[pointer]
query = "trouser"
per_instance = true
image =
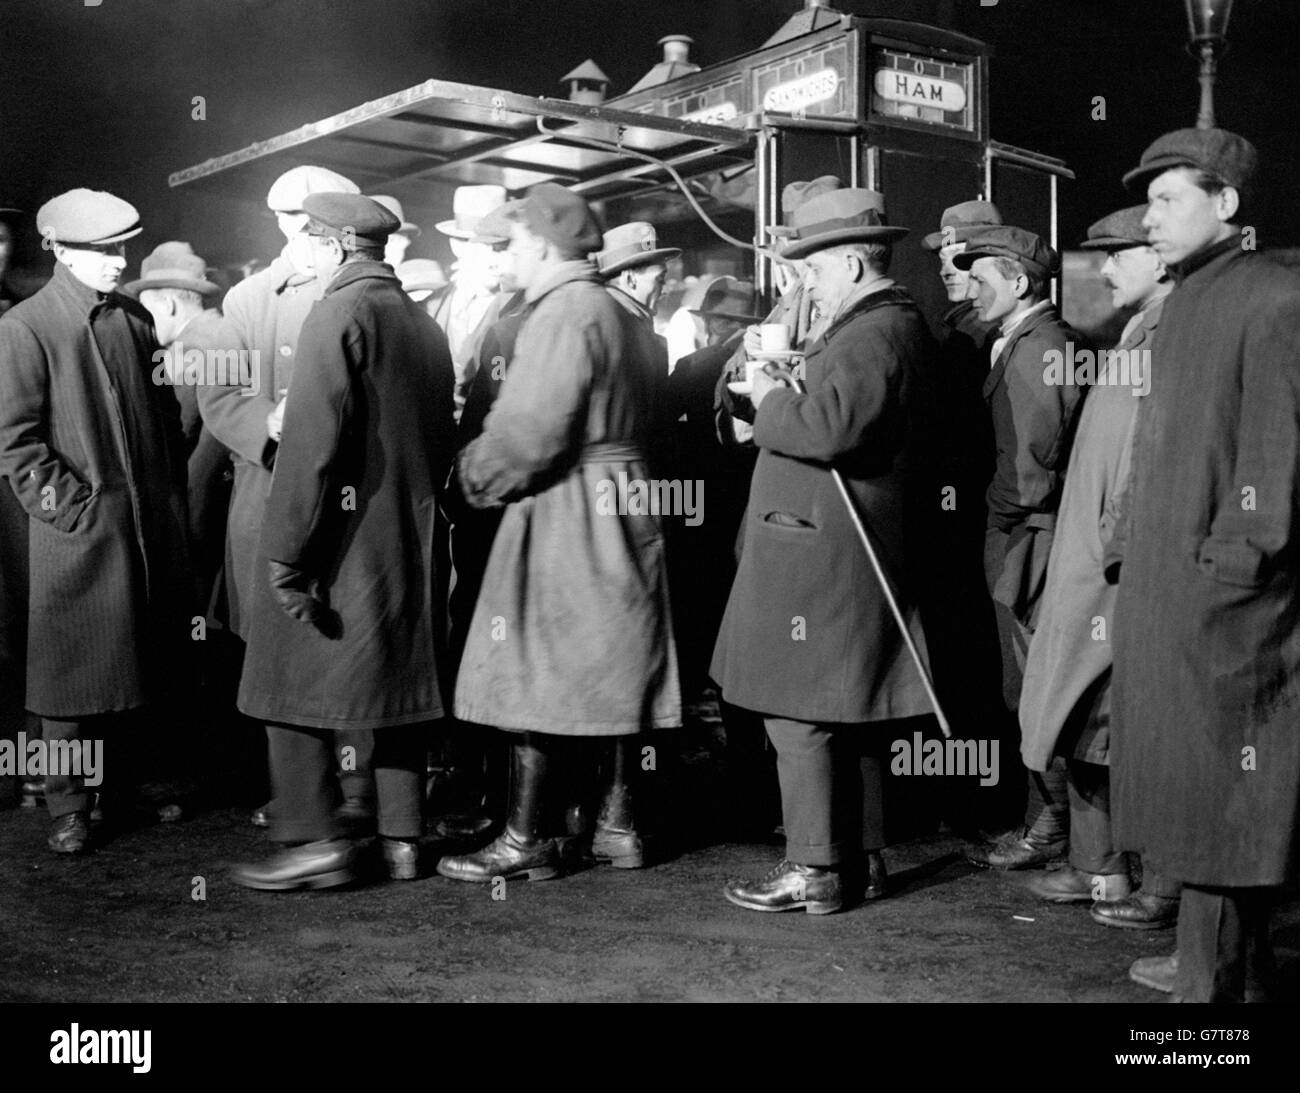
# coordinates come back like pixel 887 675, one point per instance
pixel 111 740
pixel 1047 809
pixel 303 764
pixel 1224 952
pixel 356 778
pixel 1092 847
pixel 825 778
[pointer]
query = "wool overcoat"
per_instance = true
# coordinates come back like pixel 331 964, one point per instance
pixel 807 633
pixel 1205 758
pixel 263 315
pixel 1067 674
pixel 572 633
pixel 92 448
pixel 367 438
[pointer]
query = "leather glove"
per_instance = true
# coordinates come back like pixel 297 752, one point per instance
pixel 292 589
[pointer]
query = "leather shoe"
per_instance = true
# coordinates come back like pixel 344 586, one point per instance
pixel 1156 972
pixel 1073 886
pixel 324 864
pixel 789 886
pixel 463 826
pixel 69 834
pixel 1021 849
pixel 401 858
pixel 620 848
pixel 506 856
pixel 1138 911
pixel 261 817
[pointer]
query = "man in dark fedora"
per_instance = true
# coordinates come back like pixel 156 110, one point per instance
pixel 1206 754
pixel 808 640
pixel 93 452
pixel 572 635
pixel 344 625
pixel 1033 418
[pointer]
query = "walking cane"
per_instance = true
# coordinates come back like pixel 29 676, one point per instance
pixel 780 373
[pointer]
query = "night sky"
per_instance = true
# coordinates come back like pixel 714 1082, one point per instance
pixel 100 96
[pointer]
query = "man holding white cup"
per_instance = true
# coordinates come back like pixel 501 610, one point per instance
pixel 808 641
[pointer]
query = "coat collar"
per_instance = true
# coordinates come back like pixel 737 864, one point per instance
pixel 882 296
pixel 579 269
pixel 351 272
pixel 1028 326
pixel 633 307
pixel 1205 257
pixel 84 299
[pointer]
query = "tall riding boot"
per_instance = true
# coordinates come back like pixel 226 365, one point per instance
pixel 616 840
pixel 520 850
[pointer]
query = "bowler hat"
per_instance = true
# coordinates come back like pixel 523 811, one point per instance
pixel 728 298
pixel 87 217
pixel 395 207
pixel 1221 153
pixel 629 246
pixel 1118 231
pixel 357 220
pixel 421 274
pixel 469 205
pixel 173 265
pixel 290 190
pixel 958 220
pixel 1006 241
pixel 563 217
pixel 841 216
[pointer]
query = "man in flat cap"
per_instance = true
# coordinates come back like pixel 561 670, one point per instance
pixel 1033 414
pixel 808 640
pixel 467 307
pixel 344 624
pixel 1065 703
pixel 572 635
pixel 1206 753
pixel 263 316
pixel 93 451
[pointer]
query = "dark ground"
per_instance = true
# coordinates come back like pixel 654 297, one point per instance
pixel 120 925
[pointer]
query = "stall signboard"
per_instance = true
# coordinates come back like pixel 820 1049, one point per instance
pixel 820 81
pixel 926 91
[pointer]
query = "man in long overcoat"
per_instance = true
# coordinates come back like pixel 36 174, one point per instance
pixel 1065 703
pixel 342 630
pixel 807 639
pixel 93 451
pixel 572 635
pixel 1033 414
pixel 1206 752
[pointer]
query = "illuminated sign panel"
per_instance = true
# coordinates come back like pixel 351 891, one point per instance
pixel 916 88
pixel 817 82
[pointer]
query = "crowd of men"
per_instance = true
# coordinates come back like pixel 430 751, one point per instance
pixel 420 506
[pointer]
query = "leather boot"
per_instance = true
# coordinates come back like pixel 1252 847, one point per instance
pixel 519 851
pixel 616 840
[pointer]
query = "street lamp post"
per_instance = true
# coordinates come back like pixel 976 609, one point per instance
pixel 1207 23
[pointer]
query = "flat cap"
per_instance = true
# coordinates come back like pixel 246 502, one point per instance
pixel 957 221
pixel 1229 156
pixel 358 221
pixel 1119 231
pixel 557 214
pixel 290 190
pixel 631 245
pixel 495 227
pixel 1006 241
pixel 88 217
pixel 173 265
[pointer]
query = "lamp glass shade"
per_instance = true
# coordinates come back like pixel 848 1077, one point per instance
pixel 1208 19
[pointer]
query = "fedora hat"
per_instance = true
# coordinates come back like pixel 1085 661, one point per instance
pixel 469 205
pixel 957 221
pixel 173 265
pixel 729 298
pixel 798 194
pixel 631 245
pixel 840 216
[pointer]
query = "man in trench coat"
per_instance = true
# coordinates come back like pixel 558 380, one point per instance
pixel 572 634
pixel 1065 704
pixel 1206 751
pixel 808 640
pixel 93 451
pixel 342 629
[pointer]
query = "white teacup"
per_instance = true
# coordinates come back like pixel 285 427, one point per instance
pixel 775 337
